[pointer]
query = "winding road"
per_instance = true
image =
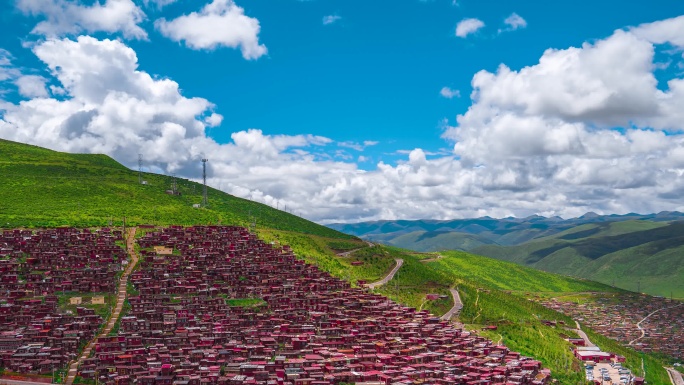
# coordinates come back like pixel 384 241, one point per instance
pixel 458 305
pixel 120 299
pixel 587 341
pixel 388 277
pixel 675 376
pixel 643 331
pixel 345 254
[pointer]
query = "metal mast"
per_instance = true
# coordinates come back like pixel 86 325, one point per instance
pixel 174 186
pixel 204 178
pixel 140 168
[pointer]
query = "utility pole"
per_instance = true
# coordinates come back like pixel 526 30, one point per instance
pixel 174 186
pixel 204 178
pixel 140 168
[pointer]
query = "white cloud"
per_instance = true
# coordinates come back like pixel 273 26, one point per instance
pixel 159 3
pixel 358 146
pixel 330 19
pixel 466 27
pixel 664 31
pixel 219 23
pixel 541 139
pixel 64 17
pixel 32 86
pixel 449 93
pixel 515 21
pixel 7 71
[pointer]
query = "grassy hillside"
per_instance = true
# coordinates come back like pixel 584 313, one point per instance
pixel 631 255
pixel 40 187
pixel 426 241
pixel 46 188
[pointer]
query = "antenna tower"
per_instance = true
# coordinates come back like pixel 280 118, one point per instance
pixel 204 178
pixel 140 168
pixel 174 186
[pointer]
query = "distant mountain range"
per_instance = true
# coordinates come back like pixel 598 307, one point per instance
pixel 634 251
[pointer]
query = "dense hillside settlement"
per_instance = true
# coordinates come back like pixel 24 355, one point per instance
pixel 644 323
pixel 215 305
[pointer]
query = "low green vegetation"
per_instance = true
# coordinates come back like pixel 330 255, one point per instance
pixel 519 326
pixel 414 281
pixel 633 255
pixel 245 302
pixel 103 310
pixel 500 275
pixel 44 188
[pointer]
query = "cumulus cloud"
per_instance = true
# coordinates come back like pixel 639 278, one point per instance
pixel 7 70
pixel 219 23
pixel 584 129
pixel 467 27
pixel 358 146
pixel 159 3
pixel 514 21
pixel 330 19
pixel 449 93
pixel 31 86
pixel 64 17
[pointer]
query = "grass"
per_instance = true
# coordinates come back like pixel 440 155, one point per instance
pixel 502 275
pixel 102 310
pixel 44 188
pixel 519 324
pixel 245 302
pixel 621 253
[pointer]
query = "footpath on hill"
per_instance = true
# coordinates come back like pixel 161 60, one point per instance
pixel 388 277
pixel 120 299
pixel 437 258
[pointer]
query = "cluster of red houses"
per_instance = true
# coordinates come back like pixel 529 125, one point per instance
pixel 36 267
pixel 303 327
pixel 616 316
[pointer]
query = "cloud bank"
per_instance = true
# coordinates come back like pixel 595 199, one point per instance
pixel 585 128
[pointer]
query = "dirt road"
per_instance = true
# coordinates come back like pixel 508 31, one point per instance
pixel 458 305
pixel 388 277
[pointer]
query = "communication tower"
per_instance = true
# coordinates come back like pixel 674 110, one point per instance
pixel 140 181
pixel 204 179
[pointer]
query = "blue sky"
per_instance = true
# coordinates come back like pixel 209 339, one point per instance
pixel 347 98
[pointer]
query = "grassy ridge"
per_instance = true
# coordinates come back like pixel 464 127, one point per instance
pixel 623 253
pixel 44 188
pixel 502 275
pixel 520 328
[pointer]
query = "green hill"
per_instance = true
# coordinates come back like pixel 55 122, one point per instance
pixel 40 187
pixel 47 188
pixel 426 241
pixel 632 255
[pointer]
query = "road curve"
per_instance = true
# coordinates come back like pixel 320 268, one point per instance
pixel 388 277
pixel 675 376
pixel 345 254
pixel 587 341
pixel 638 325
pixel 120 299
pixel 458 305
